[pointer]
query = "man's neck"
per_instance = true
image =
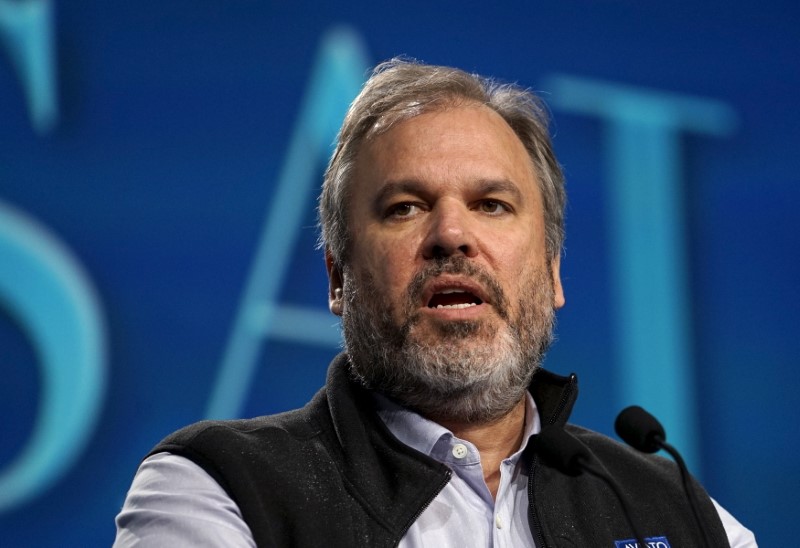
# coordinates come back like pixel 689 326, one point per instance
pixel 495 441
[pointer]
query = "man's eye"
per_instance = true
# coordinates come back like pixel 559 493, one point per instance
pixel 402 210
pixel 492 206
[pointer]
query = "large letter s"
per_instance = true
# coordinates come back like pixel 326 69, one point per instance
pixel 43 287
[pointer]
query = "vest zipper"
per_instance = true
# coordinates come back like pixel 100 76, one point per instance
pixel 448 475
pixel 565 397
pixel 536 527
pixel 534 519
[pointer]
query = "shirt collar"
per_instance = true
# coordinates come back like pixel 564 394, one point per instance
pixel 422 434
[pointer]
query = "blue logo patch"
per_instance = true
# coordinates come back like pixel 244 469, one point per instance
pixel 651 542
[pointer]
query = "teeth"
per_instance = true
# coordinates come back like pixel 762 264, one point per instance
pixel 448 291
pixel 462 305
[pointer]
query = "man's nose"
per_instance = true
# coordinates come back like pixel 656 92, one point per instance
pixel 450 232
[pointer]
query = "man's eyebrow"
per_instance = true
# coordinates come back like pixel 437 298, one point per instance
pixel 417 188
pixel 404 186
pixel 500 186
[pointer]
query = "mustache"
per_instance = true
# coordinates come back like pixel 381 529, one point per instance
pixel 458 265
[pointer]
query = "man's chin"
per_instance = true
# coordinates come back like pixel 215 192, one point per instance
pixel 439 331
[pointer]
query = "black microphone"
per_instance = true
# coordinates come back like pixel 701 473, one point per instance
pixel 561 450
pixel 642 431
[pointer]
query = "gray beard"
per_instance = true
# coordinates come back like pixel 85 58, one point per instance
pixel 448 380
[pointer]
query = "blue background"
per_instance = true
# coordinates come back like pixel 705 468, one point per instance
pixel 173 127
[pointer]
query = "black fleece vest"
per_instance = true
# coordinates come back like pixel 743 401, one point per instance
pixel 331 474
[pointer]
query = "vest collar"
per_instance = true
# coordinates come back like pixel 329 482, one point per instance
pixel 393 482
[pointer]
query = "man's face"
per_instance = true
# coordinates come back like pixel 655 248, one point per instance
pixel 447 269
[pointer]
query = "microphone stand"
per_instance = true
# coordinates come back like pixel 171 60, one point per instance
pixel 687 486
pixel 561 450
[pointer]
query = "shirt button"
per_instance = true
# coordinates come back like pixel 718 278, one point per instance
pixel 498 522
pixel 460 451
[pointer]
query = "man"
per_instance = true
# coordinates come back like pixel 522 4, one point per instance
pixel 442 222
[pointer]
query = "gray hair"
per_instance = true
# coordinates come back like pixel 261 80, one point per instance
pixel 400 89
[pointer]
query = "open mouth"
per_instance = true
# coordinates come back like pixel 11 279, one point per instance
pixel 454 299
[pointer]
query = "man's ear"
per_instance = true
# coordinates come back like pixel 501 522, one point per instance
pixel 558 291
pixel 335 298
